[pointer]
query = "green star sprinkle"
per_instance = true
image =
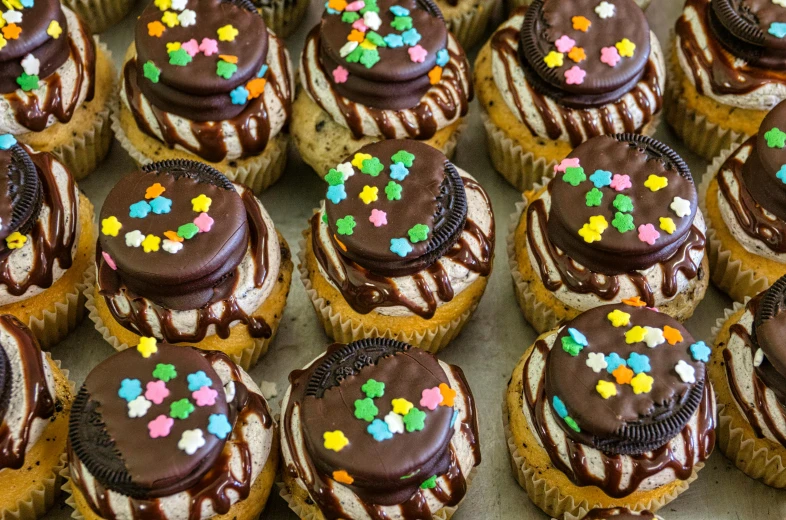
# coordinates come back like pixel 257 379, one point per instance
pixel 349 17
pixel 623 222
pixel 365 409
pixel 570 346
pixel 393 190
pixel 573 426
pixel 404 157
pixel 594 196
pixel 401 23
pixel 376 39
pixel 334 177
pixel 430 483
pixel 372 167
pixel 369 58
pixel 775 138
pixel 225 69
pixel 346 225
pixel 324 218
pixel 623 203
pixel 354 56
pixel 181 58
pixel 165 372
pixel 574 175
pixel 187 231
pixel 152 72
pixel 415 420
pixel 27 82
pixel 181 409
pixel 418 233
pixel 371 6
pixel 373 388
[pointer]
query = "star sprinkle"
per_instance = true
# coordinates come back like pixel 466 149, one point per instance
pixel 342 477
pixel 610 56
pixel 357 160
pixel 415 420
pixel 554 59
pixel 648 234
pixel 393 40
pixel 429 483
pixel 201 203
pixel 656 182
pixel 564 43
pixel 161 205
pixel 147 346
pixel 181 409
pixel 160 427
pixel 378 218
pixel 372 20
pixel 365 409
pixel 402 23
pixel 634 301
pixel 227 33
pixel 563 166
pixel 204 222
pixel 111 226
pixel 15 240
pixel 170 19
pixel 379 430
pixel 197 380
pixel 31 65
pixel 667 225
pixel 653 337
pixel 620 182
pixel 54 30
pixel 594 197
pixel 448 395
pixel 108 259
pixel 589 234
pixel 618 318
pixel 7 141
pixel 171 246
pixel 623 222
pixel 401 406
pixel 606 389
pixel 622 375
pixel 372 167
pixel 130 389
pixel 559 407
pixel 577 54
pixel 154 190
pixel 435 75
pixel 163 4
pixel 191 441
pixel 239 95
pixel 12 31
pixel 156 391
pixel 418 233
pixel 596 361
pixel 138 407
pixel 218 425
pixel 605 10
pixel 642 384
pixel 430 398
pixel 373 388
pixel 635 335
pixel 782 174
pixel 601 178
pixel 700 352
pixel 134 238
pixel 27 82
pixel 575 75
pixel 336 194
pixel 151 244
pixel 403 157
pixel 151 72
pixel 571 346
pixel 187 18
pixel 393 190
pixel 581 23
pixel 775 138
pixel 574 175
pixel 139 209
pixel 205 396
pixel 335 440
pixel 443 57
pixel 639 363
pixel 208 47
pixel 686 372
pixel 369 194
pixel 417 54
pixel 156 29
pixel 340 74
pixel 672 335
pixel 398 171
pixel 400 247
pixel 613 362
pixel 165 372
pixel 346 226
pixel 626 48
pixel 187 231
pixel 623 203
pixel 680 206
pixel 225 70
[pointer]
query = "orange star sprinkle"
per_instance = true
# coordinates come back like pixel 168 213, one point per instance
pixel 435 75
pixel 173 236
pixel 12 31
pixel 623 375
pixel 340 243
pixel 228 58
pixel 156 29
pixel 338 5
pixel 154 191
pixel 448 395
pixel 672 335
pixel 342 476
pixel 634 302
pixel 255 87
pixel 581 23
pixel 356 36
pixel 577 54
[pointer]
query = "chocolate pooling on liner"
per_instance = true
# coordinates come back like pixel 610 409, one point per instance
pixel 744 28
pixel 21 194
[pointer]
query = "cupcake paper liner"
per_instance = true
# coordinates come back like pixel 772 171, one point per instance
pixel 736 439
pixel 470 27
pixel 727 272
pixel 514 4
pixel 550 499
pixel 99 15
pixel 258 173
pixel 282 17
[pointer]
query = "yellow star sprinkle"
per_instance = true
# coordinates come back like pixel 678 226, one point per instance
pixel 369 194
pixel 54 30
pixel 147 346
pixel 150 243
pixel 401 406
pixel 357 161
pixel 163 4
pixel 335 440
pixel 13 4
pixel 635 335
pixel 201 204
pixel 2 20
pixel 172 47
pixel 15 240
pixel 642 384
pixel 365 44
pixel 227 33
pixel 554 59
pixel 3 42
pixel 170 19
pixel 110 226
pixel 589 234
pixel 598 223
pixel 606 389
pixel 626 48
pixel 656 182
pixel 667 225
pixel 619 318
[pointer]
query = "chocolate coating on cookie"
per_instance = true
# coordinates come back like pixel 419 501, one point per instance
pixel 751 29
pixel 769 333
pixel 621 203
pixel 618 513
pixel 584 54
pixel 20 194
pixel 624 379
pixel 395 219
pixel 765 163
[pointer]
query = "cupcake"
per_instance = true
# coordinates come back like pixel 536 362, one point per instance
pixel 100 15
pixel 615 513
pixel 207 82
pixel 283 17
pixel 57 83
pixel 624 419
pixel 619 222
pixel 47 241
pixel 744 198
pixel 561 73
pixel 186 256
pixel 402 248
pixel 375 70
pixel 467 20
pixel 728 68
pixel 198 442
pixel 405 449
pixel 748 369
pixel 514 4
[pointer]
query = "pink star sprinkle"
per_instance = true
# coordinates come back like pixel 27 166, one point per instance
pixel 204 222
pixel 565 164
pixel 417 54
pixel 205 396
pixel 160 426
pixel 565 43
pixel 109 261
pixel 575 75
pixel 156 392
pixel 209 46
pixel 360 25
pixel 620 182
pixel 355 6
pixel 378 218
pixel 648 234
pixel 191 47
pixel 340 74
pixel 430 398
pixel 610 56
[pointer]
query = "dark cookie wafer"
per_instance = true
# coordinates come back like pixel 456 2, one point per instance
pixel 769 333
pixel 744 28
pixel 20 193
pixel 198 171
pixel 5 382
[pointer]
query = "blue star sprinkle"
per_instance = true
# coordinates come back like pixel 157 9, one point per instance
pixel 394 40
pixel 398 10
pixel 777 29
pixel 139 209
pixel 161 205
pixel 379 429
pixel 7 141
pixel 400 246
pixel 398 171
pixel 130 389
pixel 239 95
pixel 559 407
pixel 197 380
pixel 613 361
pixel 638 363
pixel 336 193
pixel 601 178
pixel 782 174
pixel 578 337
pixel 219 425
pixel 443 57
pixel 700 351
pixel 411 37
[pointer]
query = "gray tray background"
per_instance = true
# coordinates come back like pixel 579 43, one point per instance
pixel 487 349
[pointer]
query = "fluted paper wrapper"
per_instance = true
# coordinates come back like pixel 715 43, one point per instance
pixel 99 15
pixel 755 457
pixel 514 4
pixel 470 27
pixel 550 499
pixel 727 271
pixel 282 17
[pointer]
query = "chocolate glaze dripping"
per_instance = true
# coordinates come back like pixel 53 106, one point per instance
pixel 41 405
pixel 506 41
pixel 695 444
pixel 62 235
pixel 365 291
pixel 584 281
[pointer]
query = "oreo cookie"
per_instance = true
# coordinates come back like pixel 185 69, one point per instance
pixel 742 27
pixel 198 171
pixel 5 382
pixel 769 334
pixel 21 193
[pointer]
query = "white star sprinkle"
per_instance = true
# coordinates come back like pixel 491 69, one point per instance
pixel 171 246
pixel 597 362
pixel 229 391
pixel 179 5
pixel 187 18
pixel 191 441
pixel 134 238
pixel 347 48
pixel 13 16
pixel 31 65
pixel 653 337
pixel 605 10
pixel 681 206
pixel 395 422
pixel 372 20
pixel 758 357
pixel 138 407
pixel 686 372
pixel 346 170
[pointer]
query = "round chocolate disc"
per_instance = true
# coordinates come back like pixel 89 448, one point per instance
pixel 624 379
pixel 5 382
pixel 151 427
pixel 400 209
pixel 751 29
pixel 763 167
pixel 585 53
pixel 21 194
pixel 621 203
pixel 768 332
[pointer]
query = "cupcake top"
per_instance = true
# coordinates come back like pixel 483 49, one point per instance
pixel 585 54
pixel 27 395
pixel 21 194
pixel 625 379
pixel 619 513
pixel 751 29
pixel 765 171
pixel 769 328
pixel 383 419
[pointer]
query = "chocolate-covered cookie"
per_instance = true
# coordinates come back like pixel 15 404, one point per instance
pixel 751 29
pixel 395 207
pixel 764 173
pixel 584 53
pixel 618 513
pixel 621 203
pixel 625 379
pixel 20 194
pixel 769 331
